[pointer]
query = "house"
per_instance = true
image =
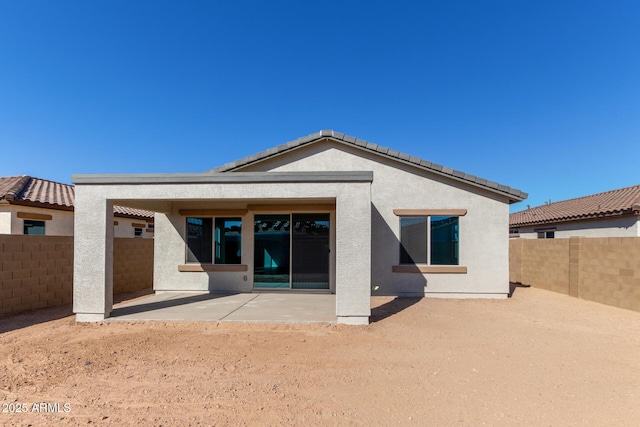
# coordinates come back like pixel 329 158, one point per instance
pixel 31 205
pixel 324 213
pixel 610 214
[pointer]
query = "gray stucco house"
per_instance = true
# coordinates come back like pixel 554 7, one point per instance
pixel 324 213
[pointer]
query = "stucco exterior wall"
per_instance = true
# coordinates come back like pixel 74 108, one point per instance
pixel 610 227
pixel 170 252
pixel 93 277
pixel 125 227
pixel 60 224
pixel 5 221
pixel 171 248
pixel 483 237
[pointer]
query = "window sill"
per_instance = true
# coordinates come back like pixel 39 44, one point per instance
pixel 456 269
pixel 211 267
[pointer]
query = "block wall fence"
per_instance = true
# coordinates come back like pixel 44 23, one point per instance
pixel 604 270
pixel 37 271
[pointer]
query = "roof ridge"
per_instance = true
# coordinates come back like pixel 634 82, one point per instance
pixel 51 181
pixel 514 194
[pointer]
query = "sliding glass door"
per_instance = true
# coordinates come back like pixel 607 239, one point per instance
pixel 310 251
pixel 271 251
pixel 291 251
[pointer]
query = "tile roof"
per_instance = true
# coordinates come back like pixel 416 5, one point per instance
pixel 513 194
pixel 610 203
pixel 131 212
pixel 27 190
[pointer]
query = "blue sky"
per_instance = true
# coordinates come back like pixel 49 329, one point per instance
pixel 542 96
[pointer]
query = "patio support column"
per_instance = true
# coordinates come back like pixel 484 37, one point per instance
pixel 353 255
pixel 93 256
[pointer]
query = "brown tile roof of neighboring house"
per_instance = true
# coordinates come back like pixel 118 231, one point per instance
pixel 30 191
pixel 513 194
pixel 611 203
pixel 131 212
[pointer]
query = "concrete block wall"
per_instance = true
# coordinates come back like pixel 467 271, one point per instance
pixel 37 271
pixel 545 264
pixel 132 265
pixel 515 260
pixel 605 270
pixel 609 271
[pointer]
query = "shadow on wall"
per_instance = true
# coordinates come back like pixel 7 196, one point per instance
pixel 385 245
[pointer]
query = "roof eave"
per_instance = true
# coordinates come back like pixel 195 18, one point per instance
pixel 42 205
pixel 626 212
pixel 513 196
pixel 132 216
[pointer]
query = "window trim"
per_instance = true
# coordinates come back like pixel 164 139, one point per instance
pixel 428 267
pixel 430 212
pixel 35 216
pixel 195 267
pixel 425 268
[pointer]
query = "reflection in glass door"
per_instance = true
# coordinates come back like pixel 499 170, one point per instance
pixel 271 253
pixel 310 251
pixel 291 251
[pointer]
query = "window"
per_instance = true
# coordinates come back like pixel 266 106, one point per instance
pixel 546 234
pixel 227 240
pixel 199 240
pixel 432 240
pixel 33 227
pixel 204 241
pixel 137 232
pixel 413 240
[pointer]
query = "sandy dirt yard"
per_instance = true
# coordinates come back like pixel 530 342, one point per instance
pixel 539 358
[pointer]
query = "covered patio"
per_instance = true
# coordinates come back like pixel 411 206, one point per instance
pixel 268 307
pixel 234 234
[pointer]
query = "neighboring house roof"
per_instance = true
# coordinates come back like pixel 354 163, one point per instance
pixel 608 204
pixel 30 191
pixel 513 194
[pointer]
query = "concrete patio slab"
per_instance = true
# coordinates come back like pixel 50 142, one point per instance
pixel 207 307
pixel 287 308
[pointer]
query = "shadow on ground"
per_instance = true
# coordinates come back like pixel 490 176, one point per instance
pixel 156 305
pixel 13 322
pixel 30 318
pixel 514 285
pixel 392 307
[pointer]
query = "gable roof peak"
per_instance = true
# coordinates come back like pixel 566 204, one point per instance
pixel 513 194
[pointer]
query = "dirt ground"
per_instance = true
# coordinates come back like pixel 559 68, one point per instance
pixel 538 358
